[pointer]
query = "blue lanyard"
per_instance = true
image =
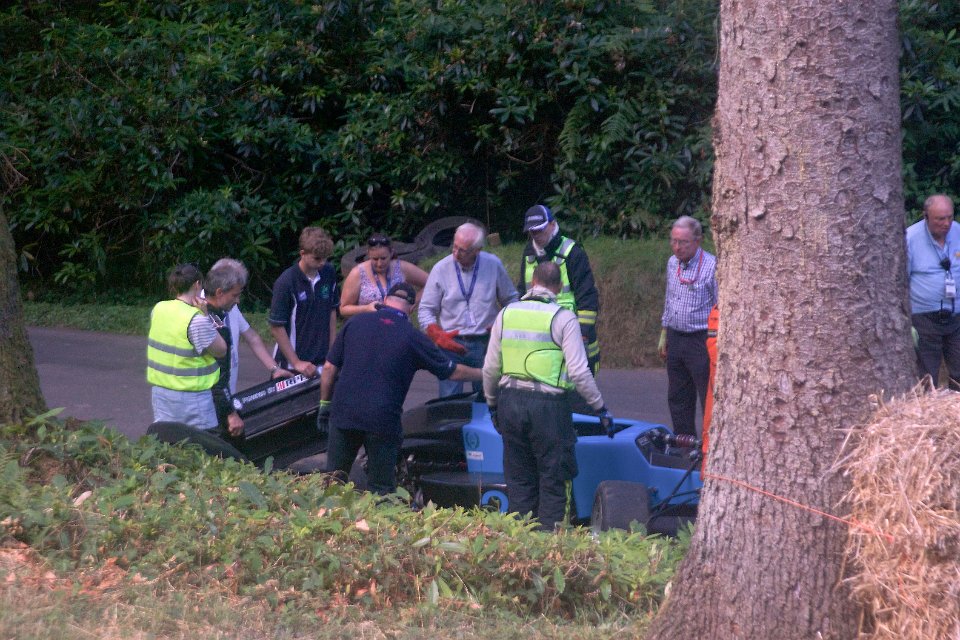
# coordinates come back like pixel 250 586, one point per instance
pixel 473 281
pixel 383 293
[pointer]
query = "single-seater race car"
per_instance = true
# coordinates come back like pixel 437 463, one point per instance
pixel 452 455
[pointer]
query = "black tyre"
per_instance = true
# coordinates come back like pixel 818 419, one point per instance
pixel 617 503
pixel 179 433
pixel 439 233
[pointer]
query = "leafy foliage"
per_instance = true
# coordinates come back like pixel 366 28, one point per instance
pixel 84 496
pixel 930 100
pixel 183 131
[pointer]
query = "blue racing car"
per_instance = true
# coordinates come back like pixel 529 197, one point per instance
pixel 452 455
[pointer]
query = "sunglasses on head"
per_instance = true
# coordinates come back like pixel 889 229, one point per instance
pixel 378 241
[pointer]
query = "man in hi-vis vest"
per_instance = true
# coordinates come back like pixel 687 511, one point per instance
pixel 182 350
pixel 536 357
pixel 578 291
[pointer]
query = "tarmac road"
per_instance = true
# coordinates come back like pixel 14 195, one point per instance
pixel 101 376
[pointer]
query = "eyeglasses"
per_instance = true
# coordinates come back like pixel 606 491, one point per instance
pixel 945 264
pixel 378 241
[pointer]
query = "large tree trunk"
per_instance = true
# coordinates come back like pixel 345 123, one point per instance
pixel 20 393
pixel 808 218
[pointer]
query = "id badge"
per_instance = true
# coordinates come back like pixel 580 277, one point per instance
pixel 949 289
pixel 471 321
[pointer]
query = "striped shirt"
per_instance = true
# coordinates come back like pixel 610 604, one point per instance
pixel 691 292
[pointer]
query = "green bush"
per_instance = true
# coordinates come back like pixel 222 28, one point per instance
pixel 83 496
pixel 152 133
pixel 157 132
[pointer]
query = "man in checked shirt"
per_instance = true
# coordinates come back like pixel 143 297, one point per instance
pixel 691 293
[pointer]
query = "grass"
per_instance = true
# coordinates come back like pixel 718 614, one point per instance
pixel 101 537
pixel 630 276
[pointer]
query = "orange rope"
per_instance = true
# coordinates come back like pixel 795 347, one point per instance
pixel 847 521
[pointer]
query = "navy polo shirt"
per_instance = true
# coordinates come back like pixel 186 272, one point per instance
pixel 377 355
pixel 304 311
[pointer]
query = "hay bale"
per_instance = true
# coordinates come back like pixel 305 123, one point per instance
pixel 905 471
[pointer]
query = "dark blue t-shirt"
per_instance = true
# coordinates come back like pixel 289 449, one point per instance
pixel 304 311
pixel 377 355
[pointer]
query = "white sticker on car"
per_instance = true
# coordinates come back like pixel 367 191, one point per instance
pixel 474 455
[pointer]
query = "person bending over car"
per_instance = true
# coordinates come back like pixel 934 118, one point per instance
pixel 223 286
pixel 535 358
pixel 375 356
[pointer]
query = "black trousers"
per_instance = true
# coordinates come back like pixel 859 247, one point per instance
pixel 538 453
pixel 688 373
pixel 939 339
pixel 383 451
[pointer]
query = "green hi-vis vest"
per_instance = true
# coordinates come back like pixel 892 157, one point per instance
pixel 527 348
pixel 565 298
pixel 172 362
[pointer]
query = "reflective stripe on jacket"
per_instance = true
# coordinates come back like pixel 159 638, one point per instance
pixel 172 362
pixel 565 298
pixel 527 346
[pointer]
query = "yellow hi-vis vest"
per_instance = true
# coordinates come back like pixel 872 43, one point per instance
pixel 527 348
pixel 565 298
pixel 172 362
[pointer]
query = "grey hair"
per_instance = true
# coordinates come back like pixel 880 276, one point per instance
pixel 225 274
pixel 934 198
pixel 480 236
pixel 691 223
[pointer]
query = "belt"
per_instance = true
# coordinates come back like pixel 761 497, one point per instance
pixel 701 332
pixel 479 336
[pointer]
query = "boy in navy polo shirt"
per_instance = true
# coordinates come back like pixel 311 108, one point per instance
pixel 303 311
pixel 376 356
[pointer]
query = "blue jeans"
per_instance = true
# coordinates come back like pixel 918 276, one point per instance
pixel 476 352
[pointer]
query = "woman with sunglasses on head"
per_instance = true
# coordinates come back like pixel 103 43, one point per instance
pixel 367 283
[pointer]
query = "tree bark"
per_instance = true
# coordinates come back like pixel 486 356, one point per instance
pixel 20 394
pixel 809 222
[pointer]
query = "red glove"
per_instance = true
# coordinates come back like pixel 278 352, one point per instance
pixel 445 339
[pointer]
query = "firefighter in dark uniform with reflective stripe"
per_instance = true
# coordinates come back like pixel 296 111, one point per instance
pixel 578 291
pixel 534 359
pixel 182 350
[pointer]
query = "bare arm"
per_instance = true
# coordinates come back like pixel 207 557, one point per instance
pixel 217 348
pixel 333 327
pixel 263 354
pixel 327 378
pixel 464 373
pixel 351 295
pixel 286 348
pixel 413 274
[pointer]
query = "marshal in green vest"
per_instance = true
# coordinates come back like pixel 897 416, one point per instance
pixel 528 349
pixel 172 361
pixel 565 298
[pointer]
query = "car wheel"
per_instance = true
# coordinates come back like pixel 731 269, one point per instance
pixel 178 433
pixel 437 236
pixel 617 503
pixel 358 472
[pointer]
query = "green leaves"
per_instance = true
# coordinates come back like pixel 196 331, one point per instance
pixel 157 133
pixel 83 495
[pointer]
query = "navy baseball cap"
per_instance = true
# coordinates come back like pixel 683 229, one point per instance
pixel 403 291
pixel 537 217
